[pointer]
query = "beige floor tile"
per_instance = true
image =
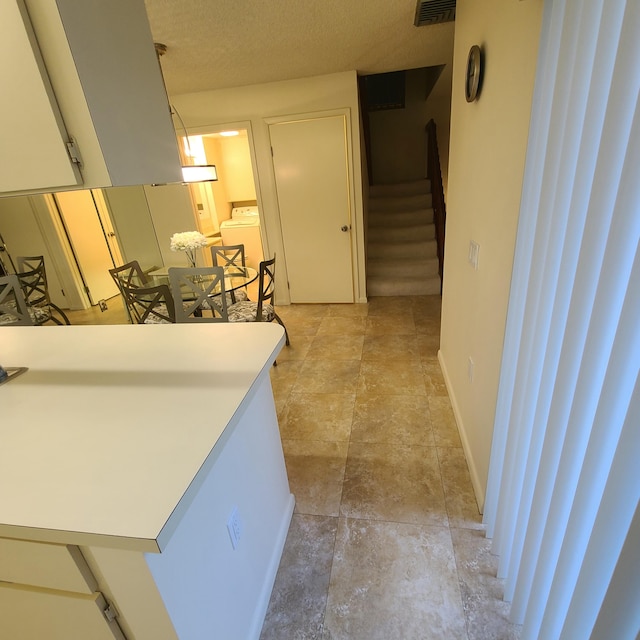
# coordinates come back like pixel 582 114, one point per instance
pixel 299 596
pixel 385 305
pixel 369 432
pixel 391 324
pixel 115 313
pixel 393 582
pixel 297 350
pixel 427 306
pixel 341 326
pixel 284 376
pixel 428 346
pixel 393 377
pixel 336 347
pixel 316 474
pixel 445 429
pixel 433 378
pixel 395 483
pixel 405 420
pixel 482 592
pixel 348 310
pixel 318 416
pixel 281 401
pixel 302 310
pixel 302 325
pixel 459 497
pixel 328 376
pixel 426 325
pixel 383 347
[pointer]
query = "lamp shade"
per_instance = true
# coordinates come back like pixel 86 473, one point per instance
pixel 199 173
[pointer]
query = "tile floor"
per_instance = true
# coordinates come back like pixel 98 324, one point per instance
pixel 386 541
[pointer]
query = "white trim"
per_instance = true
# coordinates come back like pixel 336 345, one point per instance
pixel 466 447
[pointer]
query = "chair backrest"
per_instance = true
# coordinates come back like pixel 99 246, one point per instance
pixel 129 275
pixel 33 280
pixel 266 285
pixel 13 306
pixel 150 305
pixel 228 255
pixel 199 294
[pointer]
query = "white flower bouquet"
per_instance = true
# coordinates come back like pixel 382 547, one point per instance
pixel 188 241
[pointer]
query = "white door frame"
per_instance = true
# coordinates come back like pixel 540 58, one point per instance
pixel 64 262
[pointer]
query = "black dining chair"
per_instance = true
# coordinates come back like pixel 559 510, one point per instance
pixel 33 280
pixel 198 294
pixel 230 255
pixel 128 275
pixel 263 310
pixel 150 304
pixel 14 310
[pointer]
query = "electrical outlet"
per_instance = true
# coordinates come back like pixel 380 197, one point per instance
pixel 103 305
pixel 470 367
pixel 234 526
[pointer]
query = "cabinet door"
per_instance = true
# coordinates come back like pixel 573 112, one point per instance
pixel 32 137
pixel 27 613
pixel 46 565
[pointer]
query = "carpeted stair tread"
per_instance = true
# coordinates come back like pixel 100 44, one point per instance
pixel 401 234
pixel 414 286
pixel 401 246
pixel 399 189
pixel 400 218
pixel 406 250
pixel 404 268
pixel 402 203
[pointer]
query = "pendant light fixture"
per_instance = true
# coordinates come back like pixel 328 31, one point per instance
pixel 190 172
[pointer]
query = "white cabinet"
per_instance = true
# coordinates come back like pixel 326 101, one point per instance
pixel 87 71
pixel 48 591
pixel 137 508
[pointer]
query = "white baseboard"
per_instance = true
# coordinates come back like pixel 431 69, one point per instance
pixel 473 471
pixel 267 587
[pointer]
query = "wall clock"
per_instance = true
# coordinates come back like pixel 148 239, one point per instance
pixel 474 74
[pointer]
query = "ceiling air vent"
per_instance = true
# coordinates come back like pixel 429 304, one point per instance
pixel 434 12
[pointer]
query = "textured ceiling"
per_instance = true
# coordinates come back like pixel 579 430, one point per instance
pixel 216 44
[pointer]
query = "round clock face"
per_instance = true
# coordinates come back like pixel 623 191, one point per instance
pixel 474 71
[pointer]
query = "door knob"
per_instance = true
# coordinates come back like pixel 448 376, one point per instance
pixel 344 228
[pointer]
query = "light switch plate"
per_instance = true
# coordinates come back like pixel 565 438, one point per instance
pixel 474 250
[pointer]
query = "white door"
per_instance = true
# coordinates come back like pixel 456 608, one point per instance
pixel 87 238
pixel 312 179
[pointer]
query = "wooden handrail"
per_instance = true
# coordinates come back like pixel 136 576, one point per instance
pixel 437 193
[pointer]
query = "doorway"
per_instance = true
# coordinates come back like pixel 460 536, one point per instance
pixel 229 148
pixel 84 225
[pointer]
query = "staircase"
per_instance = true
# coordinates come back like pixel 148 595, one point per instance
pixel 402 255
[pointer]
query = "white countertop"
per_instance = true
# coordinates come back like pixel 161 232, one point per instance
pixel 105 440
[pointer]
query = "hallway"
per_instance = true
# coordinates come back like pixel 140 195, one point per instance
pixel 386 541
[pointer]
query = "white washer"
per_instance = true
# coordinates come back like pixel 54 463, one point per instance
pixel 244 228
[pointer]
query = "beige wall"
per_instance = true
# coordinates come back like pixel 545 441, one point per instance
pixel 487 154
pixel 253 106
pixel 236 167
pixel 398 140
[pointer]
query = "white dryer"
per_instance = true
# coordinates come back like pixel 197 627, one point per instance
pixel 244 228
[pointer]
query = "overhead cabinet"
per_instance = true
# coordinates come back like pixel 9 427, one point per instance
pixel 85 104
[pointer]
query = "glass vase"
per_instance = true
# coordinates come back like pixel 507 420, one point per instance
pixel 191 258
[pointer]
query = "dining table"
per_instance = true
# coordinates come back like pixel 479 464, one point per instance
pixel 235 277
